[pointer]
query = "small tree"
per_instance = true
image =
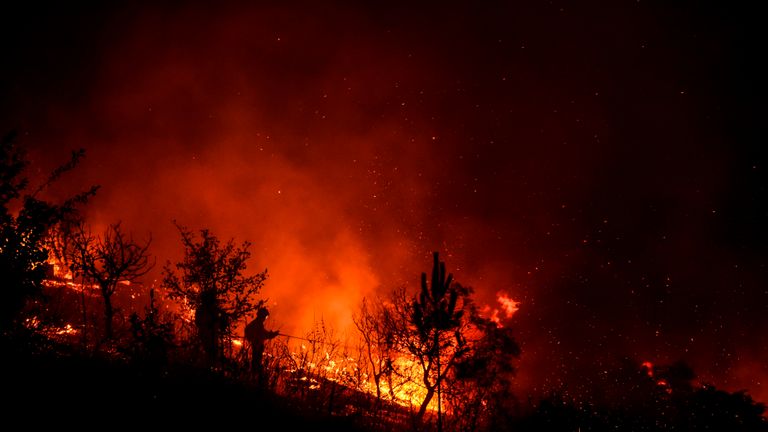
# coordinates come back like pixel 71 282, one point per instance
pixel 108 260
pixel 436 318
pixel 210 280
pixel 152 335
pixel 481 383
pixel 25 224
pixel 378 345
pixel 431 328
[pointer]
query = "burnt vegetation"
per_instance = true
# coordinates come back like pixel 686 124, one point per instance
pixel 427 360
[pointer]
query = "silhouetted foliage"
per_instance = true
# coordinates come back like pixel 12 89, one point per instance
pixel 25 224
pixel 437 343
pixel 434 333
pixel 649 403
pixel 152 335
pixel 210 281
pixel 481 385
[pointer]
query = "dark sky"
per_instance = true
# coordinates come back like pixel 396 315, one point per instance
pixel 604 164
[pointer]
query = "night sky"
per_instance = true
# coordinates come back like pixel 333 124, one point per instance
pixel 603 164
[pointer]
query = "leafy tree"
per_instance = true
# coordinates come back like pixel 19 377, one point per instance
pixel 211 281
pixel 439 338
pixel 26 222
pixel 432 328
pixel 480 387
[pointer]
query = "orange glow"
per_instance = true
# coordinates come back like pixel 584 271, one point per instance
pixel 648 366
pixel 509 305
pixel 66 330
pixel 60 271
pixel 408 392
pixel 345 170
pixel 50 331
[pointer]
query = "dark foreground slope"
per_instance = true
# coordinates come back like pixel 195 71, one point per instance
pixel 44 387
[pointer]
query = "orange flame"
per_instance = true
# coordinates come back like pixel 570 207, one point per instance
pixel 509 305
pixel 648 366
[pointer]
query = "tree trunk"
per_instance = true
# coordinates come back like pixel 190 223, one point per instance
pixel 85 312
pixel 108 313
pixel 377 404
pixel 427 400
pixel 439 401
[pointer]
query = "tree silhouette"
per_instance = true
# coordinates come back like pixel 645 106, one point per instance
pixel 25 224
pixel 210 280
pixel 431 328
pixel 378 345
pixel 109 260
pixel 437 322
pixel 481 383
pixel 152 335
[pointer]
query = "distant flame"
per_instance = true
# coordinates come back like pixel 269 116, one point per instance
pixel 66 330
pixel 648 366
pixel 509 305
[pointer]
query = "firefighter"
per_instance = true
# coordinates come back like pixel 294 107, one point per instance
pixel 257 335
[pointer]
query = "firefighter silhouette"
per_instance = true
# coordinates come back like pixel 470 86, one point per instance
pixel 257 335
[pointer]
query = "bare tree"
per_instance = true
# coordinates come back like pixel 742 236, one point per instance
pixel 109 260
pixel 378 345
pixel 66 245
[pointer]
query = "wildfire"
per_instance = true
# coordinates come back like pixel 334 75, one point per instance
pixel 59 276
pixel 59 271
pixel 661 382
pixel 407 392
pixel 66 330
pixel 49 330
pixel 648 366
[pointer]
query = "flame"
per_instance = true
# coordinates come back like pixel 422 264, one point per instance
pixel 509 305
pixel 51 331
pixel 409 392
pixel 648 366
pixel 60 271
pixel 66 330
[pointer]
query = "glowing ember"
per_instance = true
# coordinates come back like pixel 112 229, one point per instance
pixel 66 330
pixel 648 366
